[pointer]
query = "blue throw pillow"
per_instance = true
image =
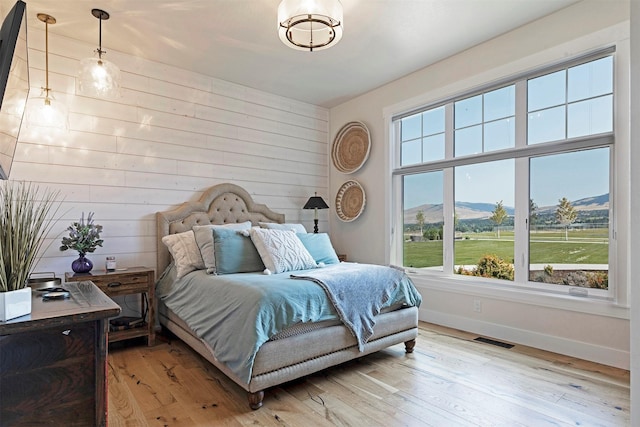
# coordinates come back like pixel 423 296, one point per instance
pixel 320 247
pixel 235 252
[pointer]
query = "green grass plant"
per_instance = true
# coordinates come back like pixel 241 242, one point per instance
pixel 25 221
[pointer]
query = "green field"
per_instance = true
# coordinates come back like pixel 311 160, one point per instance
pixel 583 247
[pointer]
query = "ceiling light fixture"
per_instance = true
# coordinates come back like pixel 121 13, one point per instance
pixel 47 111
pixel 99 77
pixel 310 24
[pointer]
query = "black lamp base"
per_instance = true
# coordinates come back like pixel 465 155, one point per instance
pixel 315 225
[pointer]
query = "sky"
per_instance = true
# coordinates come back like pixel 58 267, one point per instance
pixel 572 175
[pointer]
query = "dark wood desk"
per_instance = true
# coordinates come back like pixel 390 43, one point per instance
pixel 53 362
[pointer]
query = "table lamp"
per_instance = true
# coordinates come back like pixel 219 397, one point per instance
pixel 315 202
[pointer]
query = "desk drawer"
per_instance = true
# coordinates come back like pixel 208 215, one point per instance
pixel 45 348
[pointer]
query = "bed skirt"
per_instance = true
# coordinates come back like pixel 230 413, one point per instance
pixel 292 357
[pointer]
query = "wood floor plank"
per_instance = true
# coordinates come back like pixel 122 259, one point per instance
pixel 520 388
pixel 123 409
pixel 450 380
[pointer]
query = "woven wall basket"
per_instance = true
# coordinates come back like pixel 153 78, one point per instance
pixel 350 201
pixel 351 147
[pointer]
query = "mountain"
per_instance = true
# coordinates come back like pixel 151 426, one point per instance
pixel 480 207
pixel 467 210
pixel 595 203
pixel 432 214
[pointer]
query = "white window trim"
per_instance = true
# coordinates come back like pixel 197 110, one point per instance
pixel 617 305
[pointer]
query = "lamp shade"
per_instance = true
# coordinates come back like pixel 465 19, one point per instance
pixel 315 202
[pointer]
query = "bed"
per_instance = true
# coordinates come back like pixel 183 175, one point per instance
pixel 290 352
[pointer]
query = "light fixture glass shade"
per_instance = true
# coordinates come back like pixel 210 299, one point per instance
pixel 310 24
pixel 45 111
pixel 98 78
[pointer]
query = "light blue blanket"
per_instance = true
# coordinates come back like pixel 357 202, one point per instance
pixel 358 292
pixel 236 313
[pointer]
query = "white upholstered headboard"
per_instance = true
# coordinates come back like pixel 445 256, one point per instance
pixel 220 204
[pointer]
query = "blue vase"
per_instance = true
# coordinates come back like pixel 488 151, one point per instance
pixel 82 264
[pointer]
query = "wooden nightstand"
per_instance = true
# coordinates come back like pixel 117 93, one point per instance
pixel 133 280
pixel 342 257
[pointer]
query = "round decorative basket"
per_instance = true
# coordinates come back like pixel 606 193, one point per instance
pixel 351 147
pixel 350 201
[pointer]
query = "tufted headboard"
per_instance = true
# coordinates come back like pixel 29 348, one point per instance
pixel 220 204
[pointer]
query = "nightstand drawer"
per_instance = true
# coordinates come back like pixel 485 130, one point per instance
pixel 122 283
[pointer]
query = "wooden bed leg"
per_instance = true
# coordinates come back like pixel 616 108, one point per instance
pixel 409 346
pixel 255 399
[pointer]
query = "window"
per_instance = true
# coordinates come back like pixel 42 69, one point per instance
pixel 484 195
pixel 485 122
pixel 423 137
pixel 513 180
pixel 423 219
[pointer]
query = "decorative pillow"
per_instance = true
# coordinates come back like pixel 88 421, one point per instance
pixel 320 247
pixel 185 252
pixel 235 252
pixel 298 228
pixel 204 239
pixel 281 250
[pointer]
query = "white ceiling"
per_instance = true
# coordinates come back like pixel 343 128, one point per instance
pixel 237 40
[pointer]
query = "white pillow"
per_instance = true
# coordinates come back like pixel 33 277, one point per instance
pixel 185 252
pixel 298 228
pixel 281 250
pixel 204 241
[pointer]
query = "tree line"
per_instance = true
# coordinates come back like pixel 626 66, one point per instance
pixel 565 214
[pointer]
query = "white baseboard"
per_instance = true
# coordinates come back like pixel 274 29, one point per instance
pixel 581 350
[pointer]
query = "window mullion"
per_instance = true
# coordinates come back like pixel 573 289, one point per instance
pixel 521 220
pixel 448 232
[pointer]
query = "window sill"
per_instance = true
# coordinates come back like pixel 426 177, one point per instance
pixel 523 295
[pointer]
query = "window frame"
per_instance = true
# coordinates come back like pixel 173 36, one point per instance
pixel 616 294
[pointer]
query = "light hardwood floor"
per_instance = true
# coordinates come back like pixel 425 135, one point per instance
pixel 449 380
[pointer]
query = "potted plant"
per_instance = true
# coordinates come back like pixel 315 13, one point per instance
pixel 26 218
pixel 84 237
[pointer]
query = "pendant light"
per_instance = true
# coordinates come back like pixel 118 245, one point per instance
pixel 99 77
pixel 45 110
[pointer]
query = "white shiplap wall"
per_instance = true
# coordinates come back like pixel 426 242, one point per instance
pixel 172 134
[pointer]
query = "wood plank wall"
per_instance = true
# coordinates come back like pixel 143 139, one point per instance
pixel 170 135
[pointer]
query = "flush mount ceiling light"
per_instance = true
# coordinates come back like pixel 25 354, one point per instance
pixel 47 111
pixel 310 24
pixel 99 77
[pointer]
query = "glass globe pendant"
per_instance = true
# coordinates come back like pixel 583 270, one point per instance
pixel 97 76
pixel 44 110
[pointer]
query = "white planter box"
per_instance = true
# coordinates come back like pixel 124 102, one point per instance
pixel 15 304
